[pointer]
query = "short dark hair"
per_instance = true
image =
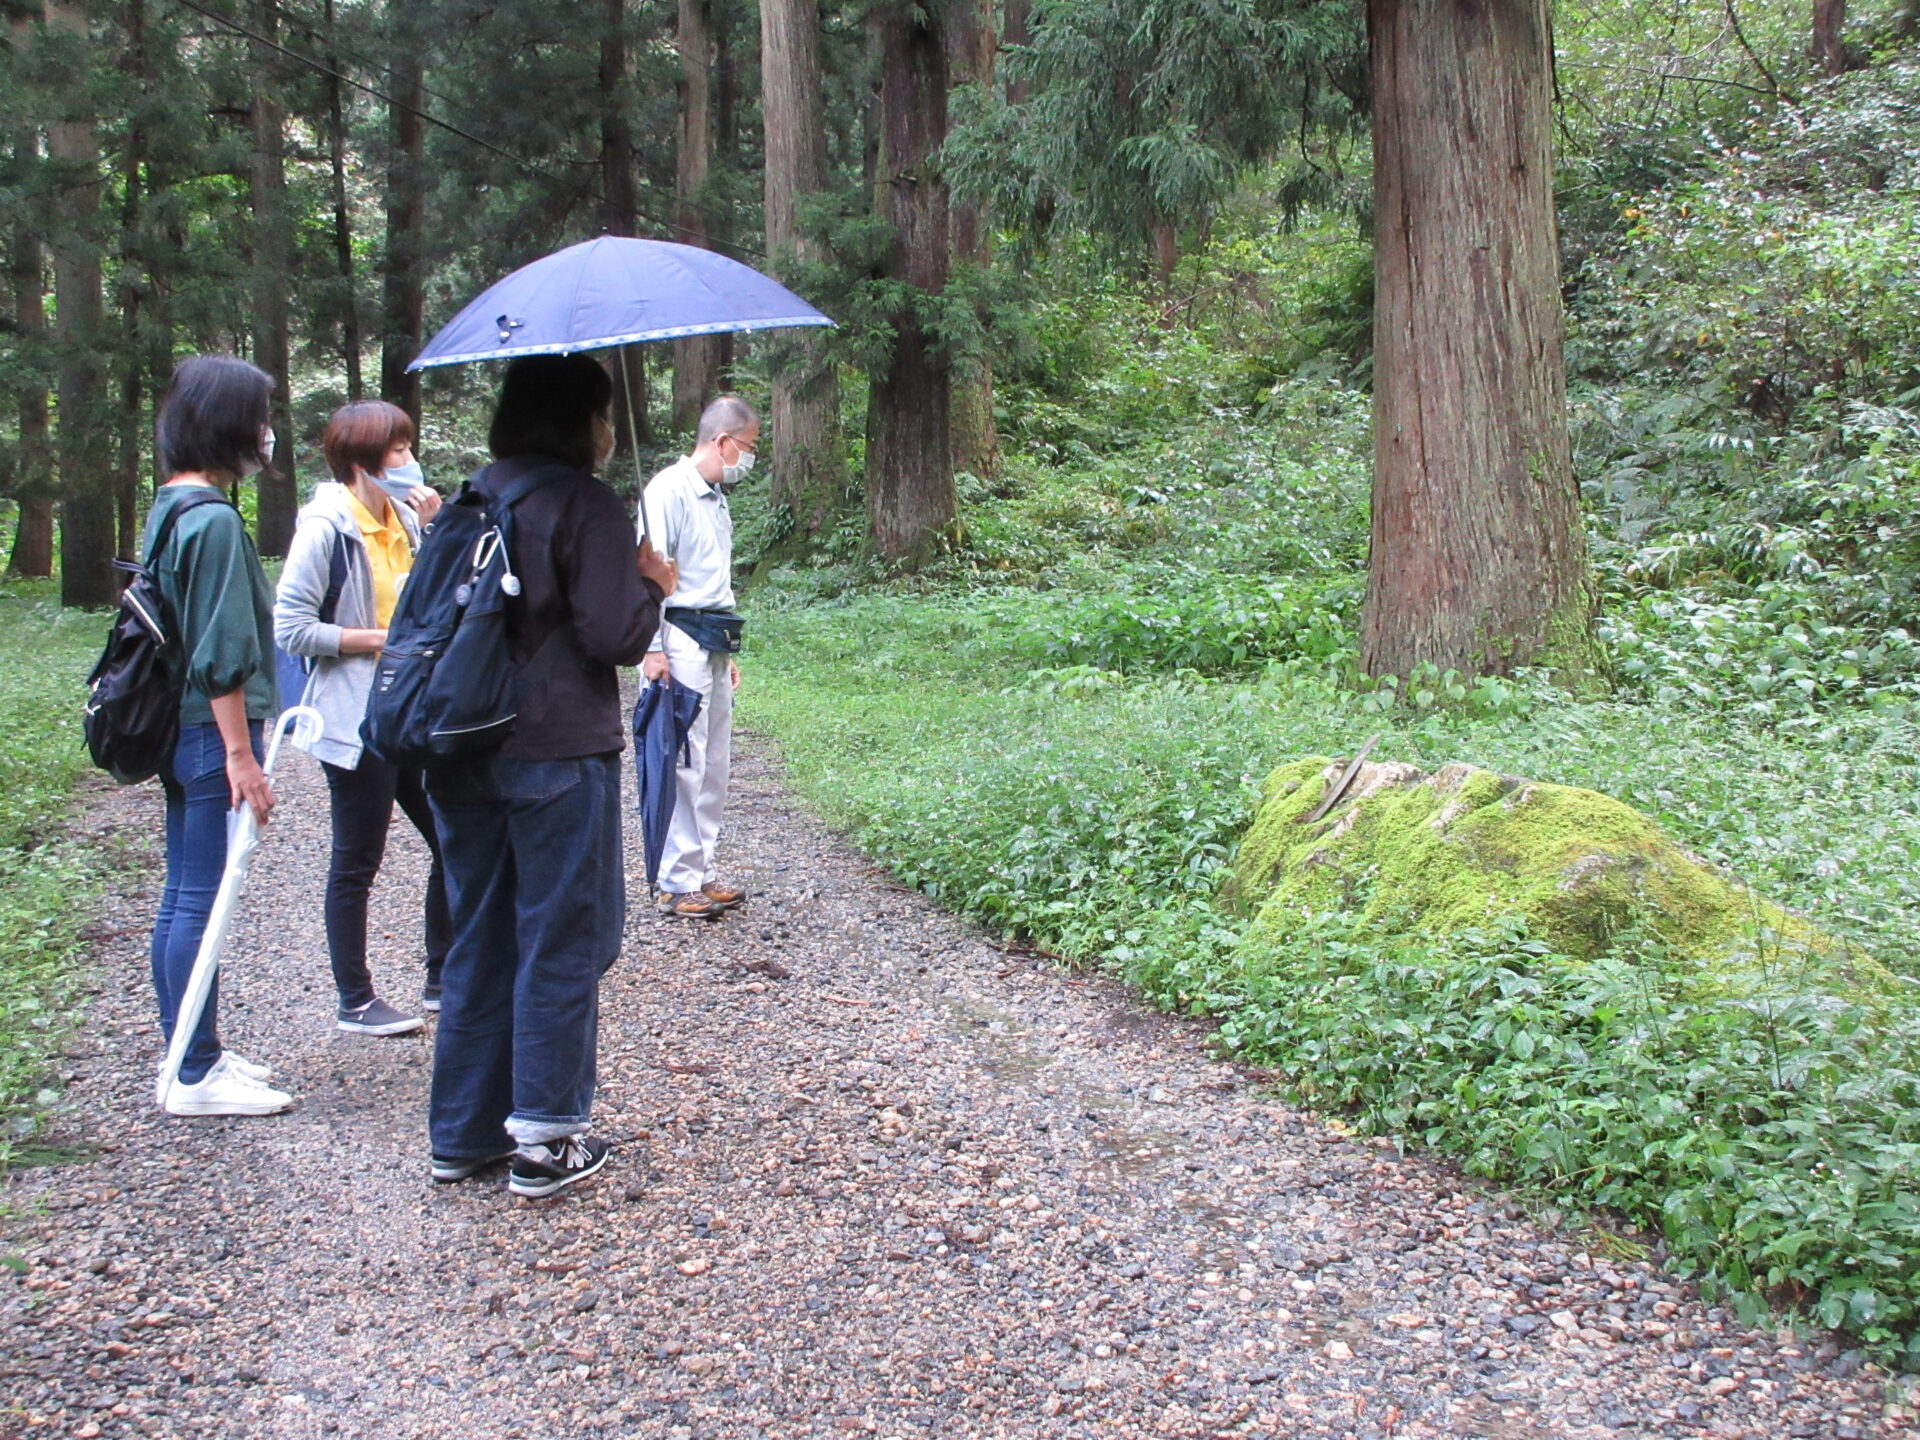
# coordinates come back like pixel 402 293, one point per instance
pixel 547 406
pixel 360 434
pixel 212 415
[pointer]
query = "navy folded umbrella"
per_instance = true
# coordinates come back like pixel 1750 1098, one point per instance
pixel 614 291
pixel 661 721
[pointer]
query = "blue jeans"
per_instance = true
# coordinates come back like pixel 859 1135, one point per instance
pixel 538 898
pixel 198 803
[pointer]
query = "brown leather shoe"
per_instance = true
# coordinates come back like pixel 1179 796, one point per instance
pixel 724 895
pixel 691 906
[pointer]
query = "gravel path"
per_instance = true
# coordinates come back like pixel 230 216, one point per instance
pixel 875 1176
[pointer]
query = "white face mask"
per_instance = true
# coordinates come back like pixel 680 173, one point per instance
pixel 399 480
pixel 732 475
pixel 269 446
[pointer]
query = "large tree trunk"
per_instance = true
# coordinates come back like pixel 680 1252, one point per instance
pixel 1478 559
pixel 279 496
pixel 975 441
pixel 85 451
pixel 403 292
pixel 342 218
pixel 33 479
pixel 910 495
pixel 133 281
pixel 1013 29
pixel 1829 46
pixel 696 359
pixel 632 422
pixel 809 461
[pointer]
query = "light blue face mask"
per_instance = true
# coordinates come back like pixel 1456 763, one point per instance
pixel 399 482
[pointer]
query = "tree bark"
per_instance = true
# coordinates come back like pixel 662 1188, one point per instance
pixel 1014 29
pixel 33 480
pixel 1478 560
pixel 1829 45
pixel 974 439
pixel 350 340
pixel 133 280
pixel 403 291
pixel 84 448
pixel 910 495
pixel 696 358
pixel 621 217
pixel 279 496
pixel 809 478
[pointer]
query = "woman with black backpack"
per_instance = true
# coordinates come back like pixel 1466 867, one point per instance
pixel 352 550
pixel 531 831
pixel 214 429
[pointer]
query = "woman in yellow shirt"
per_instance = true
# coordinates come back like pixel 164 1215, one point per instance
pixel 350 555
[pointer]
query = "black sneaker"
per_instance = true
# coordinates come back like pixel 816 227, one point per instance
pixel 449 1168
pixel 376 1017
pixel 430 997
pixel 553 1165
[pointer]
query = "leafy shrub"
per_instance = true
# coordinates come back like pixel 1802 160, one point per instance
pixel 1770 654
pixel 1773 1136
pixel 1196 621
pixel 46 882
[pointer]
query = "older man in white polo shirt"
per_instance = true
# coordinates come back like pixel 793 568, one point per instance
pixel 690 525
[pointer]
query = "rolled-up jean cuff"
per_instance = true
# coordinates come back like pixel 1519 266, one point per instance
pixel 539 1132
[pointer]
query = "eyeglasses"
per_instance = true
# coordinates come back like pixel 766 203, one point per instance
pixel 739 444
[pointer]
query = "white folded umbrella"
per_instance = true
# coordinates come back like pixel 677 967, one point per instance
pixel 243 838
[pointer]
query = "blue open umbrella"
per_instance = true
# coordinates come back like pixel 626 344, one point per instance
pixel 661 721
pixel 614 291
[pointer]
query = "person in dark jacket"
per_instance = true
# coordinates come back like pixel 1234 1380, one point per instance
pixel 213 429
pixel 530 834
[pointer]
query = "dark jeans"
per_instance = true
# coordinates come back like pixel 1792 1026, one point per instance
pixel 198 804
pixel 363 801
pixel 538 895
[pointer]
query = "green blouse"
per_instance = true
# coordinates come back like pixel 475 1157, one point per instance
pixel 222 607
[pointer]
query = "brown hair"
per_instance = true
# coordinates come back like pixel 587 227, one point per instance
pixel 360 435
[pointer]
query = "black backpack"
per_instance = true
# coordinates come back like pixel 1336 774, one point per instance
pixel 446 685
pixel 132 720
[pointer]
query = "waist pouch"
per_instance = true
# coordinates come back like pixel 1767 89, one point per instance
pixel 717 630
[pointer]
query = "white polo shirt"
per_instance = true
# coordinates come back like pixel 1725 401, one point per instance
pixel 692 527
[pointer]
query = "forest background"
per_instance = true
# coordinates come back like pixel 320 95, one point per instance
pixel 1063 545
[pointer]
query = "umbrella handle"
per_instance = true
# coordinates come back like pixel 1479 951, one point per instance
pixel 242 838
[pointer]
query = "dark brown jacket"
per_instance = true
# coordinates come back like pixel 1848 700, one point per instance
pixel 584 609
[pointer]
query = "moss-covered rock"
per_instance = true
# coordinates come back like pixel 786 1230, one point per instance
pixel 1446 852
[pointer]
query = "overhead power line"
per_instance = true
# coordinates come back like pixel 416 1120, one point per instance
pixel 572 186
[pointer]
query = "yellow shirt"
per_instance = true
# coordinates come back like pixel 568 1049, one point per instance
pixel 389 556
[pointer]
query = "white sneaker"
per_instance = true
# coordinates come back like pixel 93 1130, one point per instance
pixel 248 1069
pixel 225 1091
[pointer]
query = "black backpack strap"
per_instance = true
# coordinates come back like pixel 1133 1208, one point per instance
pixel 165 532
pixel 336 580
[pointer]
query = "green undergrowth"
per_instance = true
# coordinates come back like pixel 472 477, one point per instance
pixel 1098 813
pixel 47 879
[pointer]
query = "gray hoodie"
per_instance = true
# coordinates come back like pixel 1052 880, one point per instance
pixel 339 684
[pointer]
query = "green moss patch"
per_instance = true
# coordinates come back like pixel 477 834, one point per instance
pixel 1464 847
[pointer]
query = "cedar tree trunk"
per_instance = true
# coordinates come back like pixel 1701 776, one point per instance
pixel 342 219
pixel 975 441
pixel 403 291
pixel 85 434
pixel 696 358
pixel 1478 560
pixel 910 497
pixel 620 217
pixel 279 497
pixel 33 482
pixel 809 462
pixel 1829 47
